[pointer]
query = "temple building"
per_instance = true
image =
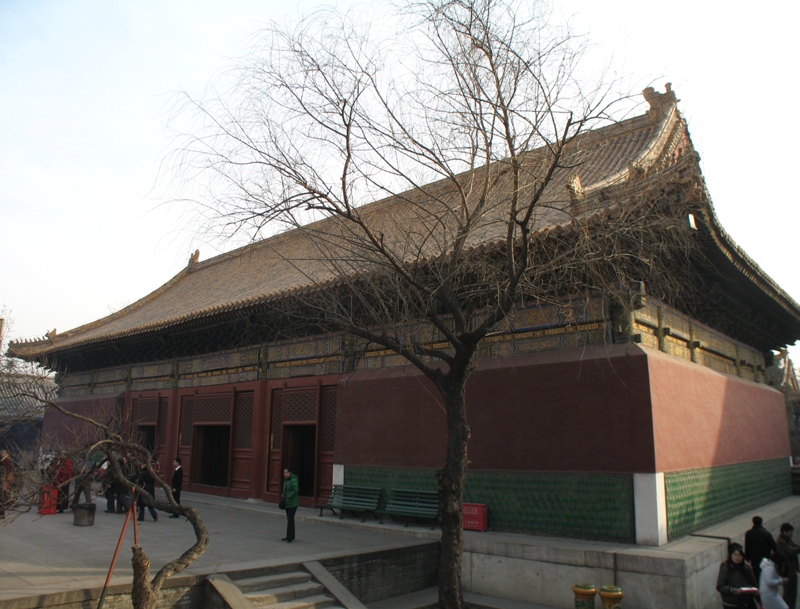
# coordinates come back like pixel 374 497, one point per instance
pixel 635 427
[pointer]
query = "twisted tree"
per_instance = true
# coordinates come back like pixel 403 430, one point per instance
pixel 91 441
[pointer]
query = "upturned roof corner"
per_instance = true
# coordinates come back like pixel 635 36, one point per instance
pixel 659 102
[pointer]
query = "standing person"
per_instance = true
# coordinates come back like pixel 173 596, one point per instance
pixel 44 462
pixel 107 478
pixel 63 470
pixel 123 490
pixel 120 489
pixel 291 499
pixel 736 582
pixel 758 544
pixel 769 585
pixel 177 483
pixel 6 483
pixel 789 549
pixel 147 482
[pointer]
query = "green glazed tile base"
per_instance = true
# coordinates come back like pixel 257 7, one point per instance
pixel 587 506
pixel 697 498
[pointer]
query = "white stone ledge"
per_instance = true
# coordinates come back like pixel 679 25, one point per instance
pixel 678 574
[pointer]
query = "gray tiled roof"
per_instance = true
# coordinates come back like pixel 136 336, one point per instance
pixel 290 261
pixel 14 406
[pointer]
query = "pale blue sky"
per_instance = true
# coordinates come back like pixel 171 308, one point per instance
pixel 83 85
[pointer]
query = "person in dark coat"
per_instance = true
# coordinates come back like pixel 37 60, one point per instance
pixel 736 581
pixel 789 550
pixel 147 482
pixel 121 489
pixel 177 483
pixel 291 501
pixel 758 544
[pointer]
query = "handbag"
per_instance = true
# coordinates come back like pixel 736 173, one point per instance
pixel 282 503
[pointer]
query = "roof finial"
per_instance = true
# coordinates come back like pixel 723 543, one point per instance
pixel 575 189
pixel 659 102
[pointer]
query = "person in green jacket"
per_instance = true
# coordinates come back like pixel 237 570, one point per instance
pixel 291 498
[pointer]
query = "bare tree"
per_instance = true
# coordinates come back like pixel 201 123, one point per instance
pixel 461 119
pixel 103 440
pixel 20 416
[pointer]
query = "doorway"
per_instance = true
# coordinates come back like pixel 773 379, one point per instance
pixel 210 454
pixel 147 437
pixel 299 454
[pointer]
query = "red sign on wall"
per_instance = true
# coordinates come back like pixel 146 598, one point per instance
pixel 476 517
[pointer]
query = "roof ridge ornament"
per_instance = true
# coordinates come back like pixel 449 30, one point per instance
pixel 194 259
pixel 576 191
pixel 659 102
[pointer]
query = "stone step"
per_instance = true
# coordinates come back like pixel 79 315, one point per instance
pixel 276 594
pixel 317 601
pixel 265 582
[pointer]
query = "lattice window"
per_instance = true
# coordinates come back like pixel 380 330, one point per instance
pixel 243 420
pixel 187 418
pixel 213 408
pixel 277 419
pixel 328 419
pixel 300 406
pixel 144 410
pixel 163 411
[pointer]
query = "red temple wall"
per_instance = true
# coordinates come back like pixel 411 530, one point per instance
pixel 568 410
pixel 703 418
pixel 619 408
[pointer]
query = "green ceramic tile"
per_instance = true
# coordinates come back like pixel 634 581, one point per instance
pixel 697 498
pixel 590 506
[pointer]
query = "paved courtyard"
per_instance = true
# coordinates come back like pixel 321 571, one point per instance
pixel 43 554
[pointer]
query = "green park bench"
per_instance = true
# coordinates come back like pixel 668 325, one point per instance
pixel 408 503
pixel 356 499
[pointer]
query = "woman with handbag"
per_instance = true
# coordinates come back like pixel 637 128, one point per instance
pixel 736 582
pixel 290 499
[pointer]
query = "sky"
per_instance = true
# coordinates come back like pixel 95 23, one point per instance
pixel 85 87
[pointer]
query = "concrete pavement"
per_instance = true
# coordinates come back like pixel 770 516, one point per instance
pixel 44 554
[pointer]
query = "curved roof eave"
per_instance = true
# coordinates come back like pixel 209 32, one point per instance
pixel 663 111
pixel 745 264
pixel 662 115
pixel 42 348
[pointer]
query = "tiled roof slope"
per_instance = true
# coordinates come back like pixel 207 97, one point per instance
pixel 265 270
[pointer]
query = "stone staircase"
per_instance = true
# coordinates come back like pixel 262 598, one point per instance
pixel 306 587
pixel 311 586
pixel 295 590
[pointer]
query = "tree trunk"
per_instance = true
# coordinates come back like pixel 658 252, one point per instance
pixel 145 593
pixel 451 496
pixel 142 594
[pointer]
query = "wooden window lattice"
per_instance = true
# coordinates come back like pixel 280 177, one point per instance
pixel 145 410
pixel 187 418
pixel 163 405
pixel 214 408
pixel 277 419
pixel 243 420
pixel 300 406
pixel 328 419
